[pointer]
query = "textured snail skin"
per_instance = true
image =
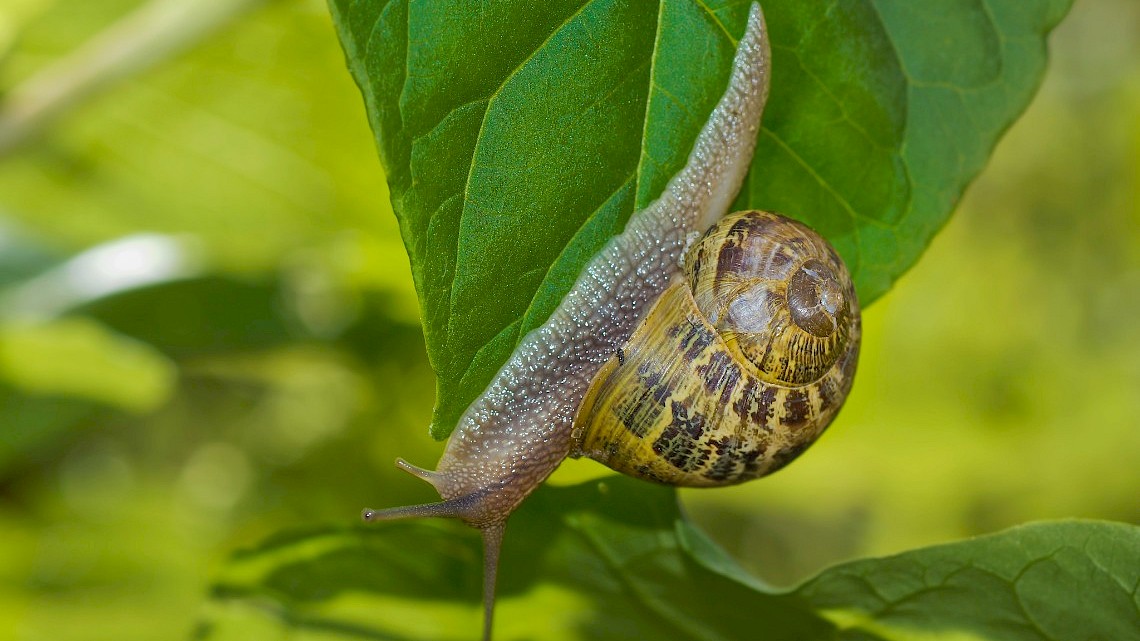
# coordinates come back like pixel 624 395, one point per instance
pixel 739 366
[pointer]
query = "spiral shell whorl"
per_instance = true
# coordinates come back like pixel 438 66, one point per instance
pixel 776 292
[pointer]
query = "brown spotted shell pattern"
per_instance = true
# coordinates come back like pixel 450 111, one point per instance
pixel 737 368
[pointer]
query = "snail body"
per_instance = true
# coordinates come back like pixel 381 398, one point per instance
pixel 686 362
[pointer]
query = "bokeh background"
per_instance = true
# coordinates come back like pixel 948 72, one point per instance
pixel 208 330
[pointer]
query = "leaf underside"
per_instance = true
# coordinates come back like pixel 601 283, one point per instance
pixel 596 564
pixel 518 137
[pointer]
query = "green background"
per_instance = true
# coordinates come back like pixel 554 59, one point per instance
pixel 146 434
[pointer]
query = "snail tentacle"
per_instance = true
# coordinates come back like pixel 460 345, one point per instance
pixel 418 472
pixel 461 507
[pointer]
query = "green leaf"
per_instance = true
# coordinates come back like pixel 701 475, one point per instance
pixel 593 561
pixel 1065 580
pixel 201 315
pixel 615 560
pixel 517 140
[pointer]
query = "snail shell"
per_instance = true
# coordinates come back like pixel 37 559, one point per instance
pixel 737 368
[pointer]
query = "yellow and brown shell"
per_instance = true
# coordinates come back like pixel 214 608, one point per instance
pixel 737 368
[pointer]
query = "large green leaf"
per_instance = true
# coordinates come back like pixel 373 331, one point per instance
pixel 615 560
pixel 518 139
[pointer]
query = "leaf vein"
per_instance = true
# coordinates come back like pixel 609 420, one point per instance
pixel 648 100
pixel 716 20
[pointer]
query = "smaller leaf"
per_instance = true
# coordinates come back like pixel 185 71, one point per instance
pixel 599 560
pixel 616 560
pixel 1066 580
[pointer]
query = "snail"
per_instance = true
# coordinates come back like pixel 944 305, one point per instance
pixel 678 357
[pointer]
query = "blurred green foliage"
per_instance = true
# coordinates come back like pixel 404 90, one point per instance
pixel 249 357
